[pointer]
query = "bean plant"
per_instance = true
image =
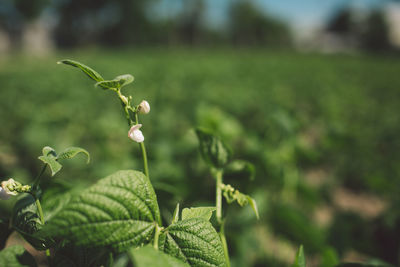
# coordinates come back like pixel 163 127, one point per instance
pixel 116 221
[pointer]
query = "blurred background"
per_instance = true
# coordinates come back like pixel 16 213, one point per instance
pixel 308 91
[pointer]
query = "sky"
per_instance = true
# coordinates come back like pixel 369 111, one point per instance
pixel 300 14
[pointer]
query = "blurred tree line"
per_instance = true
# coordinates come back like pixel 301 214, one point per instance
pixel 116 22
pixel 368 31
pixel 126 22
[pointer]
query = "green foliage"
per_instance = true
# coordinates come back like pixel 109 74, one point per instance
pixel 300 114
pixel 240 168
pixel 27 223
pixel 231 195
pixel 119 211
pixel 51 158
pixel 116 83
pixel 300 260
pixel 212 149
pixel 148 256
pixel 194 241
pixel 16 256
pixel 201 212
pixel 87 70
pixel 71 152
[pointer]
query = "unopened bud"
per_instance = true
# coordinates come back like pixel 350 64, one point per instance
pixel 144 107
pixel 7 189
pixel 135 134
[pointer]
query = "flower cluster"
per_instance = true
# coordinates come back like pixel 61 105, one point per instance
pixel 12 188
pixel 135 133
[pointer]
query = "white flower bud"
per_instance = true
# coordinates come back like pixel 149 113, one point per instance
pixel 144 107
pixel 6 189
pixel 135 134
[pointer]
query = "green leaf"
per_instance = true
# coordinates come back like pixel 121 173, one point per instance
pixel 87 70
pixel 116 83
pixel 200 212
pixel 72 152
pixel 49 157
pixel 26 221
pixel 231 194
pixel 300 260
pixel 194 241
pixel 119 211
pixel 16 256
pixel 175 216
pixel 212 149
pixel 147 256
pixel 241 169
pixel 253 205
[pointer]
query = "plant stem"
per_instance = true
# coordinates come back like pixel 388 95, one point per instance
pixel 224 244
pixel 39 208
pixel 131 123
pixel 156 236
pixel 143 149
pixel 218 203
pixel 37 179
pixel 41 216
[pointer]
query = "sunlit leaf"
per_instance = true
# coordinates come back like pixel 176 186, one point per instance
pixel 87 70
pixel 119 211
pixel 116 83
pixel 194 241
pixel 200 212
pixel 147 256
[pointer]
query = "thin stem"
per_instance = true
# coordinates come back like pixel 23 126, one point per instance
pixel 41 216
pixel 143 149
pixel 39 208
pixel 156 236
pixel 218 204
pixel 144 154
pixel 37 179
pixel 224 243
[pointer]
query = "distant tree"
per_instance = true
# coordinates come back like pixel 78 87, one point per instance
pixel 105 21
pixel 15 14
pixel 375 36
pixel 248 25
pixel 190 26
pixel 342 22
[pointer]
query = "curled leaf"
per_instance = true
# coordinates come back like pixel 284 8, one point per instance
pixel 231 194
pixel 49 157
pixel 71 152
pixel 91 73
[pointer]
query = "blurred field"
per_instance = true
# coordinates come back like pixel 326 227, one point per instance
pixel 322 131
